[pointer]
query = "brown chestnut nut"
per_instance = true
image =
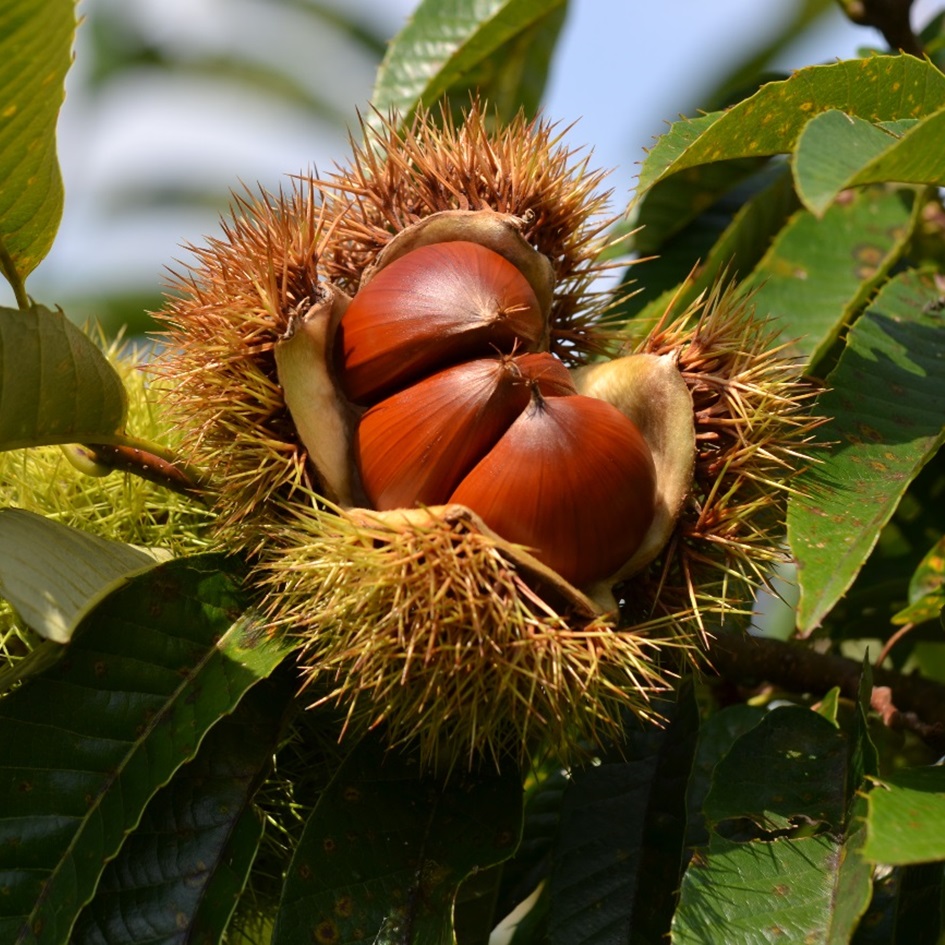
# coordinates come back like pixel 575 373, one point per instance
pixel 434 306
pixel 417 445
pixel 572 479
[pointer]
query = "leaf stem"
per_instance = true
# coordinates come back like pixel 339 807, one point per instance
pixel 151 462
pixel 8 267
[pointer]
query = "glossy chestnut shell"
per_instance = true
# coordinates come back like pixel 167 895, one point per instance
pixel 438 345
pixel 435 306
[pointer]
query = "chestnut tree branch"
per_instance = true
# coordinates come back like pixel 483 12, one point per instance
pixel 908 700
pixel 890 17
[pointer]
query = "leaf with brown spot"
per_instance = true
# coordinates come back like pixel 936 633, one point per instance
pixel 887 405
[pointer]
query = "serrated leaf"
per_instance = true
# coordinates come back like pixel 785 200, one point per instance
pixel 507 42
pixel 819 272
pixel 54 575
pixel 668 207
pixel 794 891
pixel 837 151
pixel 619 846
pixel 385 849
pixel 789 768
pixel 876 88
pixel 35 54
pixel 734 253
pixel 85 745
pixel 56 386
pixel 830 150
pixel 905 821
pixel 887 403
pixel 179 874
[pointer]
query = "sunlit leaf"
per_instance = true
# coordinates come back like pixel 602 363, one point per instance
pixel 35 54
pixel 383 853
pixel 782 861
pixel 53 575
pixel 504 44
pixel 85 745
pixel 56 386
pixel 830 150
pixel 876 88
pixel 836 151
pixel 196 840
pixel 795 891
pixel 819 272
pixel 926 589
pixel 906 817
pixel 887 405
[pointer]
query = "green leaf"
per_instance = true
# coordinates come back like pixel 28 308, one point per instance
pixel 35 54
pixel 793 891
pixel 56 386
pixel 623 824
pixel 504 46
pixel 926 588
pixel 830 150
pixel 54 575
pixel 733 254
pixel 791 767
pixel 819 272
pixel 838 151
pixel 877 88
pixel 905 820
pixel 385 849
pixel 196 840
pixel 793 773
pixel 716 737
pixel 887 403
pixel 672 204
pixel 84 746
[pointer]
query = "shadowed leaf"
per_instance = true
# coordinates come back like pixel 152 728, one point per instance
pixel 383 853
pixel 85 745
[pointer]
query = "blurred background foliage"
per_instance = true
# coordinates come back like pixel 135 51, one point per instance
pixel 172 104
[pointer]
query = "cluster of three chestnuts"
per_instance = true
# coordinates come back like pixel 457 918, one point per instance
pixel 443 391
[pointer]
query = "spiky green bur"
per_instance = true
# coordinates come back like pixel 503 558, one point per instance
pixel 433 631
pixel 430 630
pixel 754 429
pixel 118 506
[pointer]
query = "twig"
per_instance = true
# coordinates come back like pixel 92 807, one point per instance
pixel 890 17
pixel 920 702
pixel 152 463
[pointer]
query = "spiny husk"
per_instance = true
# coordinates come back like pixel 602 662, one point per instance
pixel 222 326
pixel 402 175
pixel 427 627
pixel 117 506
pixel 754 429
